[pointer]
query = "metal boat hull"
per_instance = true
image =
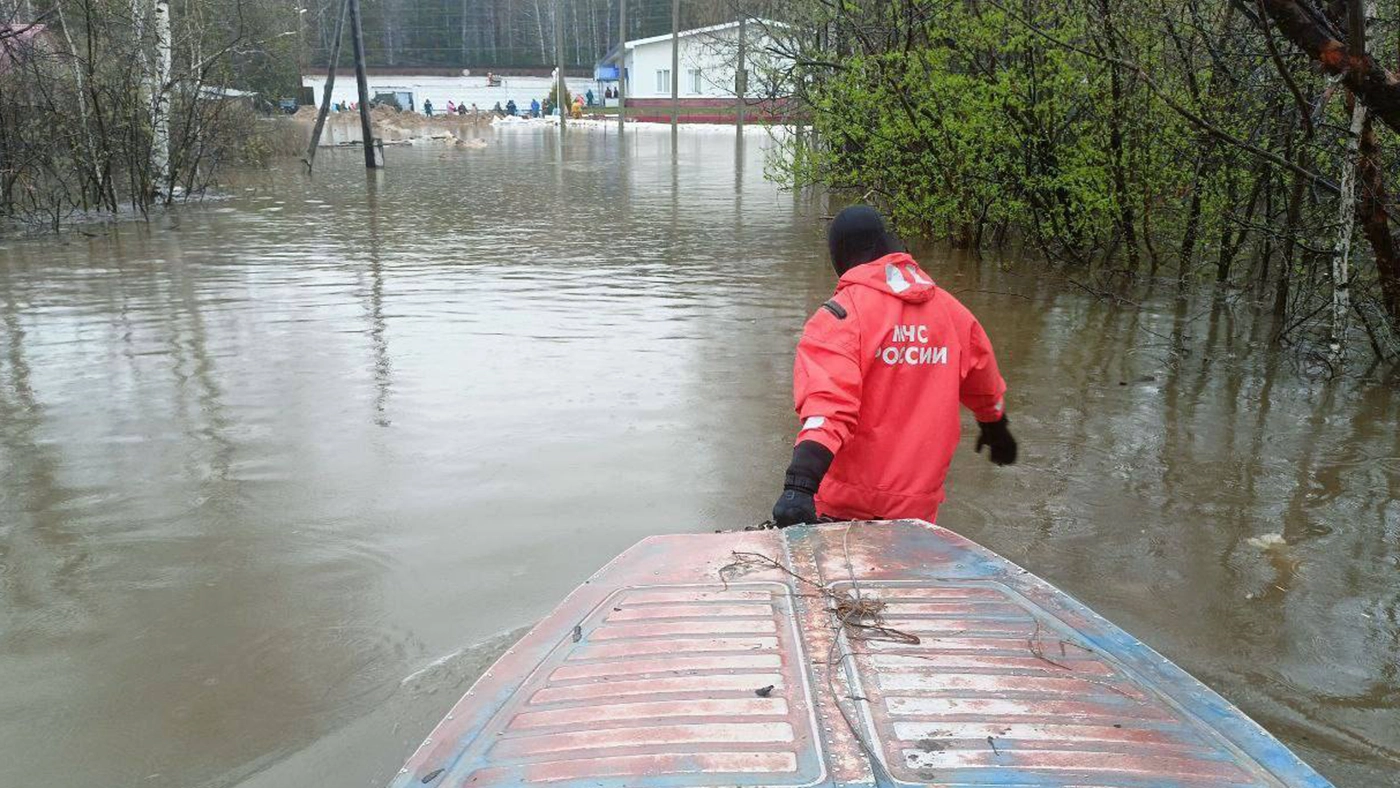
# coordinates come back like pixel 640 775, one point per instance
pixel 849 654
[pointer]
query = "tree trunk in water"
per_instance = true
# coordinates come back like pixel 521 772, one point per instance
pixel 160 103
pixel 1375 220
pixel 1341 259
pixel 330 85
pixel 89 145
pixel 1126 219
pixel 1290 245
pixel 1193 222
pixel 1346 203
pixel 1231 242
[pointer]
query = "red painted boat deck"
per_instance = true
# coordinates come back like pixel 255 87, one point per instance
pixel 851 654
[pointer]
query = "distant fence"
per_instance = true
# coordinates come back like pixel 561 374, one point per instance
pixel 711 110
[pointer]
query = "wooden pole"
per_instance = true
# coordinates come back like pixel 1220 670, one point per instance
pixel 741 76
pixel 362 82
pixel 330 85
pixel 675 63
pixel 559 88
pixel 622 66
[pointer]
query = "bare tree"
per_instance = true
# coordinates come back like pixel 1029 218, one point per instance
pixel 113 102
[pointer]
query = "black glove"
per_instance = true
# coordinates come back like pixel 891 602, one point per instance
pixel 804 476
pixel 996 435
pixel 794 507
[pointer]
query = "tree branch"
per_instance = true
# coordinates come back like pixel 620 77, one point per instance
pixel 1304 110
pixel 1373 85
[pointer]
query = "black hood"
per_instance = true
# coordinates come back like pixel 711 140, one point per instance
pixel 857 235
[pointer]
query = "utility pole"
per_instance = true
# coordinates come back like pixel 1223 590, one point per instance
pixel 741 76
pixel 560 101
pixel 362 83
pixel 675 63
pixel 622 67
pixel 330 85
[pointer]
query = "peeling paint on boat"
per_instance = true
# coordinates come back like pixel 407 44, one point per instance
pixel 680 664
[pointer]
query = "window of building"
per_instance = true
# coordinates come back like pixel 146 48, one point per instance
pixel 663 80
pixel 695 81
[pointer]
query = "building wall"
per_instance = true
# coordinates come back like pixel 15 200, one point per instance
pixel 713 55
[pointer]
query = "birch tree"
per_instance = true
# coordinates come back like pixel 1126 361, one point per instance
pixel 161 180
pixel 104 110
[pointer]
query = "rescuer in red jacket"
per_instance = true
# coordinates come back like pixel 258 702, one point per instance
pixel 880 371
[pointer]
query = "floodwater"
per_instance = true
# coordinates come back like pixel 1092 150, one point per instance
pixel 280 475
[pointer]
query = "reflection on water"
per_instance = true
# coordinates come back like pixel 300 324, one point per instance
pixel 263 460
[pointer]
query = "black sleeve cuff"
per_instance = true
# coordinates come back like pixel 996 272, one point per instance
pixel 810 461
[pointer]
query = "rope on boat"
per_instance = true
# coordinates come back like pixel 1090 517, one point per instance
pixel 858 616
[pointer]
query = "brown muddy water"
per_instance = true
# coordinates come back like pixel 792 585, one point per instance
pixel 279 475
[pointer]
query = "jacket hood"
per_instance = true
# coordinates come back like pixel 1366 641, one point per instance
pixel 894 274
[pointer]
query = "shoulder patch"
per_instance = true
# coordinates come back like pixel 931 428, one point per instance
pixel 835 309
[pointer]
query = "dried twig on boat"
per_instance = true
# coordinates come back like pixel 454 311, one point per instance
pixel 859 615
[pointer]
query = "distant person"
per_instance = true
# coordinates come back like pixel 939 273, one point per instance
pixel 578 107
pixel 880 370
pixel 475 111
pixel 451 107
pixel 534 108
pixel 511 109
pixel 462 109
pixel 588 96
pixel 428 107
pixel 497 109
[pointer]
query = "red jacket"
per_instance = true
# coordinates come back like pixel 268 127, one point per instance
pixel 880 371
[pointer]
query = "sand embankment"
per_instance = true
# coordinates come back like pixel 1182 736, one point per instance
pixel 395 127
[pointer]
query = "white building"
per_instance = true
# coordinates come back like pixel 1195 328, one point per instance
pixel 708 56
